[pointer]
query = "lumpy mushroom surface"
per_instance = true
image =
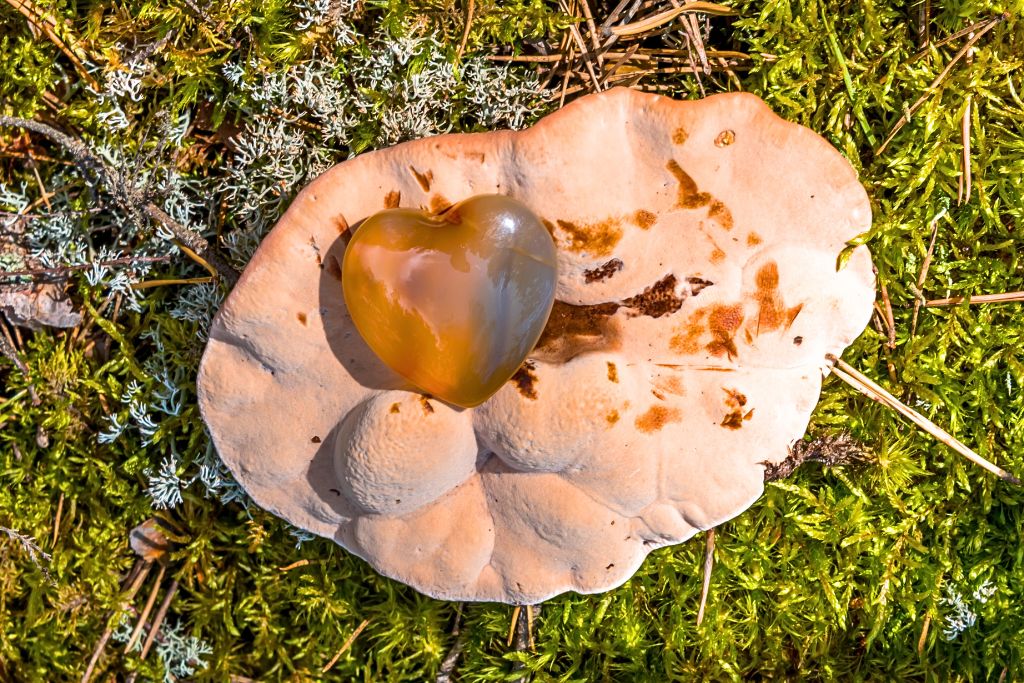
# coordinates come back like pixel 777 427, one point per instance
pixel 697 296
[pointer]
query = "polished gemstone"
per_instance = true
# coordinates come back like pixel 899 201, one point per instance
pixel 452 302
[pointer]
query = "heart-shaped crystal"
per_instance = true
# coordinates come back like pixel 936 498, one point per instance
pixel 454 302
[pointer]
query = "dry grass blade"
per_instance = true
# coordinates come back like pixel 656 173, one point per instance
pixel 963 193
pixel 345 646
pixel 709 563
pixel 872 390
pixel 147 608
pixel 512 626
pixel 43 23
pixel 105 638
pixel 902 121
pixel 662 18
pixel 1005 297
pixel 470 8
pixel 923 275
pixel 922 641
pixel 953 36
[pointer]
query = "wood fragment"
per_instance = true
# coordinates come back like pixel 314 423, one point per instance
pixel 1003 298
pixel 293 565
pixel 345 646
pixel 470 7
pixel 662 18
pixel 105 638
pixel 905 117
pixel 147 608
pixel 709 562
pixel 924 634
pixel 872 390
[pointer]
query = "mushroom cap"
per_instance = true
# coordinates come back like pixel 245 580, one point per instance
pixel 697 298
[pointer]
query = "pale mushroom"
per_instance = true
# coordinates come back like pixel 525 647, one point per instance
pixel 698 294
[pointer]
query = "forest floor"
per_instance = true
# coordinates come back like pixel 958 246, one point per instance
pixel 185 130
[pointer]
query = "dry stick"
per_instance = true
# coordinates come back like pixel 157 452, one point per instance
pixel 954 36
pixel 924 634
pixel 985 28
pixel 619 63
pixel 662 18
pixel 344 648
pixel 963 193
pixel 47 27
pixel 592 27
pixel 924 270
pixel 1005 297
pixel 890 323
pixel 127 196
pixel 470 7
pixel 147 608
pixel 565 78
pixel 158 620
pixel 869 388
pixel 56 522
pixel 102 645
pixel 634 53
pixel 444 674
pixel 709 561
pixel 293 565
pixel 67 270
pixel 578 39
pixel 7 349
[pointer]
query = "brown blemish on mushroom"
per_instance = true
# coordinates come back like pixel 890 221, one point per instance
pixel 644 219
pixel 723 323
pixel 798 340
pixel 602 272
pixel 657 300
pixel 316 439
pixel 720 213
pixel 613 372
pixel 333 267
pixel 392 199
pixel 657 417
pixel 735 418
pixel 301 317
pixel 753 239
pixel 425 402
pixel 340 224
pixel 424 179
pixel 394 408
pixel 526 380
pixel 612 417
pixel 439 203
pixel 680 136
pixel 689 196
pixel 717 256
pixel 772 312
pixel 670 385
pixel 687 340
pixel 572 330
pixel 698 285
pixel 725 138
pixel 594 238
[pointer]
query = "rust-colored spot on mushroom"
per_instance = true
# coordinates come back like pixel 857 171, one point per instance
pixel 753 239
pixel 680 136
pixel 439 203
pixel 723 322
pixel 687 340
pixel 594 238
pixel 602 272
pixel 425 402
pixel 772 311
pixel 725 138
pixel 671 385
pixel 301 317
pixel 657 300
pixel 612 417
pixel 572 330
pixel 717 256
pixel 394 408
pixel 392 199
pixel 689 196
pixel 798 340
pixel 526 380
pixel 734 398
pixel 613 372
pixel 424 179
pixel 333 267
pixel 644 219
pixel 340 224
pixel 698 285
pixel 721 214
pixel 657 417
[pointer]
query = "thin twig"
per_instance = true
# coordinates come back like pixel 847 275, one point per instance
pixel 40 22
pixel 963 193
pixel 709 562
pixel 147 608
pixel 1005 297
pixel 924 270
pixel 105 638
pixel 872 390
pixel 347 644
pixel 158 620
pixel 56 521
pixel 7 349
pixel 65 271
pixel 470 7
pixel 924 634
pixel 653 22
pixel 890 323
pixel 444 674
pixel 950 38
pixel 985 28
